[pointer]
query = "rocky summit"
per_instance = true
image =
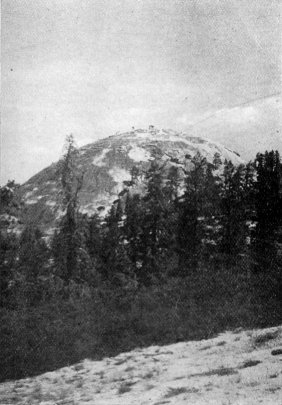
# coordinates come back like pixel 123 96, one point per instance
pixel 107 164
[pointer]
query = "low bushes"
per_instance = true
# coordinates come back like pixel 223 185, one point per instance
pixel 109 320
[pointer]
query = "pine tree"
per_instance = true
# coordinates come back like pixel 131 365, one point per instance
pixel 154 225
pixel 8 262
pixel 268 209
pixel 33 253
pixel 67 238
pixel 210 210
pixel 234 209
pixel 116 264
pixel 190 228
pixel 94 241
pixel 110 243
pixel 132 229
pixel 32 264
pixel 9 202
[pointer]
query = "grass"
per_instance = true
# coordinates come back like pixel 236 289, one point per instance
pixel 250 363
pixel 78 367
pixel 148 375
pixel 180 390
pixel 125 387
pixel 223 371
pixel 62 332
pixel 276 352
pixel 263 338
pixel 79 384
pixel 121 361
pixel 274 375
pixel 205 348
pixel 221 343
pixel 129 368
pixel 273 389
pixel 175 391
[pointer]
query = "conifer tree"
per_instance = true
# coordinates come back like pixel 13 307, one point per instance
pixel 10 204
pixel 33 253
pixel 133 228
pixel 154 226
pixel 234 209
pixel 8 262
pixel 94 241
pixel 67 238
pixel 171 191
pixel 32 264
pixel 268 209
pixel 7 197
pixel 190 227
pixel 111 243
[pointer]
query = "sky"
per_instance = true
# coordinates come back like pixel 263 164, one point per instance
pixel 95 67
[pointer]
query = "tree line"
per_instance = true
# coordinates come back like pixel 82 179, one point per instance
pixel 185 252
pixel 198 215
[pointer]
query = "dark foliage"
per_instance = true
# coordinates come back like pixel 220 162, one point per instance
pixel 198 251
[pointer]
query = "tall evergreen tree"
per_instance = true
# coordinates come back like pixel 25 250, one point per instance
pixel 133 228
pixel 10 204
pixel 33 253
pixel 235 200
pixel 94 239
pixel 8 263
pixel 154 226
pixel 268 209
pixel 116 264
pixel 191 215
pixel 67 238
pixel 32 265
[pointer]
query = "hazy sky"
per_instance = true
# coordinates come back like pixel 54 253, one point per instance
pixel 94 67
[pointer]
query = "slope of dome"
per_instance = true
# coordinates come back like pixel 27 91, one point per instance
pixel 107 164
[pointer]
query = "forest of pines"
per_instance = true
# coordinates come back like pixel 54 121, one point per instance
pixel 197 251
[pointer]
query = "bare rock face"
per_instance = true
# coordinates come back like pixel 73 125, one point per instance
pixel 232 368
pixel 106 164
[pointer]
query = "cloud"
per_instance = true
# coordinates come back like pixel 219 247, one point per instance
pixel 238 115
pixel 248 129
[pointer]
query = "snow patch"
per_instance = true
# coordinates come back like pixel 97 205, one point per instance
pixel 99 160
pixel 51 203
pixel 89 209
pixel 139 154
pixel 60 213
pixel 29 194
pixel 119 175
pixel 34 200
pixel 227 369
pixel 30 202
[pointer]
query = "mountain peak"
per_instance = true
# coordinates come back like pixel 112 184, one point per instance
pixel 107 164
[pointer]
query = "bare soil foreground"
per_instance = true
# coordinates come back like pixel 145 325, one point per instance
pixel 239 367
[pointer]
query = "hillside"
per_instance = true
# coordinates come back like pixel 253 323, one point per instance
pixel 106 164
pixel 238 368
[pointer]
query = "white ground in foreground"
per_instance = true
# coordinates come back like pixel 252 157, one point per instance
pixel 234 368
